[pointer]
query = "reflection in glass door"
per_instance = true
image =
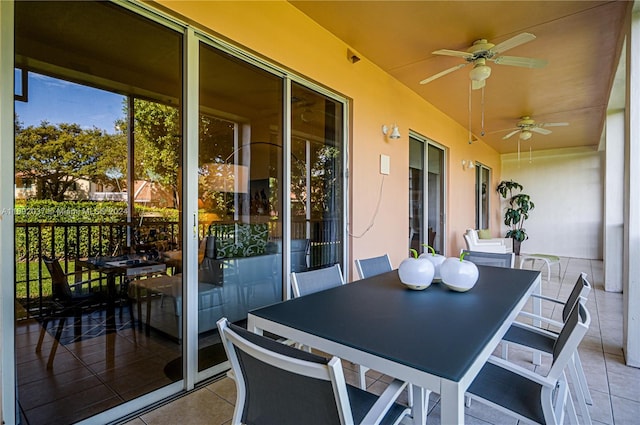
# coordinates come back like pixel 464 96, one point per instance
pixel 483 182
pixel 416 193
pixel 435 198
pixel 98 166
pixel 426 206
pixel 317 180
pixel 239 194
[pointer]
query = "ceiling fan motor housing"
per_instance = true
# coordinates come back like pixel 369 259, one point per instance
pixel 481 49
pixel 526 122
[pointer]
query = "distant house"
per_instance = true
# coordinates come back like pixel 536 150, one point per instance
pixel 146 192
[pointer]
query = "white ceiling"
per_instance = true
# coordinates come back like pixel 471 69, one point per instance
pixel 581 40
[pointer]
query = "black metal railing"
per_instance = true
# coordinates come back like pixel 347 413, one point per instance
pixel 70 241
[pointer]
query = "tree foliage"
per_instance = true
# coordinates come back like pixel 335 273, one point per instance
pixel 157 144
pixel 57 156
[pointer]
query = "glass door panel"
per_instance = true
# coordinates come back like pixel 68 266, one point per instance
pixel 416 194
pixel 426 206
pixel 435 190
pixel 98 169
pixel 239 194
pixel 483 181
pixel 317 180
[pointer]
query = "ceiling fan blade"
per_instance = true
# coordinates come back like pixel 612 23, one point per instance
pixel 519 39
pixel 540 130
pixel 518 61
pixel 504 129
pixel 443 73
pixel 475 85
pixel 506 136
pixel 456 53
pixel 553 124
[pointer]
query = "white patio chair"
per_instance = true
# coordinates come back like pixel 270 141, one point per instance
pixel 498 245
pixel 526 395
pixel 309 282
pixel 543 340
pixel 279 384
pixel 368 267
pixel 494 259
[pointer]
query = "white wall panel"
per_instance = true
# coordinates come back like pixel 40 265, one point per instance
pixel 566 186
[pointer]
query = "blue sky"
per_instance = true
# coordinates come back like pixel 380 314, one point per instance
pixel 58 101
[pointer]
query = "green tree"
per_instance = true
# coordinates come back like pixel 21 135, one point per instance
pixel 157 144
pixel 57 156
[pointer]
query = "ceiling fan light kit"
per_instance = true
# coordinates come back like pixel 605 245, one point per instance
pixel 525 135
pixel 480 71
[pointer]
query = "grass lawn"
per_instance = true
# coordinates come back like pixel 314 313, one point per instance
pixel 34 285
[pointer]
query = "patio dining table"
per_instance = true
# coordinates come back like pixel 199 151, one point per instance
pixel 436 339
pixel 127 267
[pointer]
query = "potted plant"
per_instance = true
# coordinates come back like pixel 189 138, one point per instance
pixel 519 205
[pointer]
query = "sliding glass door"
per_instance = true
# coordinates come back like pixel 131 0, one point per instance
pixel 317 180
pixel 109 312
pixel 239 193
pixel 426 194
pixel 98 154
pixel 483 185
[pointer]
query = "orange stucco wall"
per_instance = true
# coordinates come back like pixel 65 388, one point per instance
pixel 278 31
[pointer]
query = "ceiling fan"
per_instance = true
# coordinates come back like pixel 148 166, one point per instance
pixel 482 51
pixel 527 126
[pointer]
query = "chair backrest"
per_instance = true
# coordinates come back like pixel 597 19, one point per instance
pixel 210 269
pixel 470 239
pixel 59 285
pixel 490 258
pixel 574 329
pixel 580 290
pixel 472 234
pixel 279 384
pixel 368 267
pixel 305 283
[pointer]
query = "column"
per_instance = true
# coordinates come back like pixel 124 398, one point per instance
pixel 614 201
pixel 631 278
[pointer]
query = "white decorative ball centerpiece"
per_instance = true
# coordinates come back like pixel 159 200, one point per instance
pixel 416 273
pixel 435 259
pixel 459 274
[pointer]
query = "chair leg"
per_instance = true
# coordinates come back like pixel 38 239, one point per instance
pixel 419 405
pixel 56 341
pixel 583 379
pixel 43 331
pixel 362 372
pixel 77 324
pixel 579 392
pixel 571 412
pixel 505 350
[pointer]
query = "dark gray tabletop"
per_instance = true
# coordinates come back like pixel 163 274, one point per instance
pixel 435 330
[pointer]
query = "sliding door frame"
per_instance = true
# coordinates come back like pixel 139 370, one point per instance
pixel 425 184
pixel 190 113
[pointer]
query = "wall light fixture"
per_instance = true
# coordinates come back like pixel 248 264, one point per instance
pixel 395 133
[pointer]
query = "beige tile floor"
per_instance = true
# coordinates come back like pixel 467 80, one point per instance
pixel 615 388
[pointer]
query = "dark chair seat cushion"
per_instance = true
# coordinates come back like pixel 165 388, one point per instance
pixel 362 401
pixel 508 389
pixel 523 336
